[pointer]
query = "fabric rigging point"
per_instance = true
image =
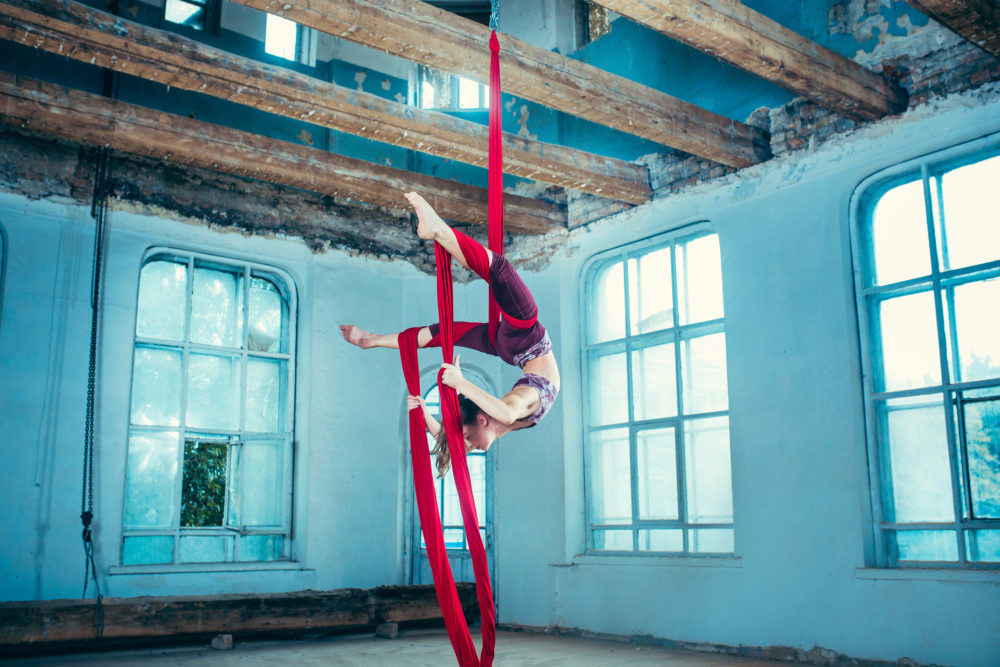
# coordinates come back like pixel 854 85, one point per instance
pixel 423 476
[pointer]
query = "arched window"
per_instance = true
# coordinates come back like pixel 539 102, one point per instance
pixel 657 404
pixel 209 465
pixel 927 245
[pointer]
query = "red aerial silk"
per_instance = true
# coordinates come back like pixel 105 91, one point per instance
pixel 423 476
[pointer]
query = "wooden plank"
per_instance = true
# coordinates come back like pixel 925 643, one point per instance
pixel 437 38
pixel 75 30
pixel 976 20
pixel 54 621
pixel 740 36
pixel 91 119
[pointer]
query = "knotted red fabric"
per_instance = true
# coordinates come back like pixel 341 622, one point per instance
pixel 423 476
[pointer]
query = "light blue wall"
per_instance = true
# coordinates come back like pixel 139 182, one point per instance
pixel 799 576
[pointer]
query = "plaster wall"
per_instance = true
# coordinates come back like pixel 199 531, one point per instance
pixel 801 575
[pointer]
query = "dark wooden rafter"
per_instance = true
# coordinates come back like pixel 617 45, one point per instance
pixel 976 20
pixel 90 119
pixel 81 32
pixel 740 36
pixel 436 38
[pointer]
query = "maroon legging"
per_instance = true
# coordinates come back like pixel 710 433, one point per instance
pixel 519 328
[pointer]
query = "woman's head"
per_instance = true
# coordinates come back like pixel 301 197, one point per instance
pixel 474 423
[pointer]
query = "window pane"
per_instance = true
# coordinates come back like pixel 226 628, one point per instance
pixel 148 550
pixel 703 361
pixel 712 540
pixel 610 477
pixel 699 280
pixel 608 389
pixel 650 299
pixel 213 392
pixel 654 382
pixel 280 37
pixel 150 476
pixel 983 546
pixel 185 13
pixel 656 461
pixel 199 549
pixel 161 306
pixel 971 226
pixel 454 538
pixel 449 496
pixel 909 343
pixel 982 436
pixel 268 317
pixel 468 93
pixel 477 474
pixel 977 323
pixel 709 476
pixel 613 540
pixel 215 310
pixel 203 488
pixel 261 547
pixel 923 545
pixel 156 387
pixel 899 235
pixel 661 540
pixel 265 396
pixel 917 464
pixel 608 306
pixel 256 499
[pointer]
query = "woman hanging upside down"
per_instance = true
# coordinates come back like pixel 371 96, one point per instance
pixel 520 341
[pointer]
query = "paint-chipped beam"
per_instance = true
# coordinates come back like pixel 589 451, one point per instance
pixel 90 119
pixel 976 20
pixel 442 40
pixel 736 34
pixel 75 30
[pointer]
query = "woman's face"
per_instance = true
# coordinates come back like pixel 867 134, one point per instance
pixel 477 438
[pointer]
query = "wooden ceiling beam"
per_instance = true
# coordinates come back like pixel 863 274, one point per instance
pixel 75 30
pixel 744 38
pixel 434 37
pixel 85 118
pixel 976 20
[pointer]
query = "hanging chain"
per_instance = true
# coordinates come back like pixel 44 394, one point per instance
pixel 494 14
pixel 98 210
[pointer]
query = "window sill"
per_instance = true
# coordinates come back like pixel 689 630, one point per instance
pixel 186 568
pixel 656 560
pixel 929 574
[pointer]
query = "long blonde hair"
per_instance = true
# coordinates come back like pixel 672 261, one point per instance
pixel 442 456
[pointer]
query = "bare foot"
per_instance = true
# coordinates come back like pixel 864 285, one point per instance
pixel 356 336
pixel 429 222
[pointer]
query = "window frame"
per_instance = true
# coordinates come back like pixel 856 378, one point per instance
pixel 675 334
pixel 4 248
pixel 946 392
pixel 231 438
pixel 213 16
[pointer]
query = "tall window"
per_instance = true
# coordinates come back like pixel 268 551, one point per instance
pixel 657 458
pixel 928 243
pixel 209 465
pixel 447 496
pixel 197 14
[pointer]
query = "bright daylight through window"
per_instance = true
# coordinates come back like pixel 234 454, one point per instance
pixel 657 458
pixel 929 301
pixel 209 463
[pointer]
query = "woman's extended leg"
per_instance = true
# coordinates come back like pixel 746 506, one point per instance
pixel 366 340
pixel 432 228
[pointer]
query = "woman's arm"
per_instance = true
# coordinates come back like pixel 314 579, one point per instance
pixel 516 404
pixel 433 425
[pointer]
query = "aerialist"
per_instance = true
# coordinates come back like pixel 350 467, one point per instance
pixel 520 341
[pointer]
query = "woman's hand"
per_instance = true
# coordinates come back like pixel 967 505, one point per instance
pixel 414 402
pixel 452 375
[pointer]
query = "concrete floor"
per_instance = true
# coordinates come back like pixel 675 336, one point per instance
pixel 413 648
